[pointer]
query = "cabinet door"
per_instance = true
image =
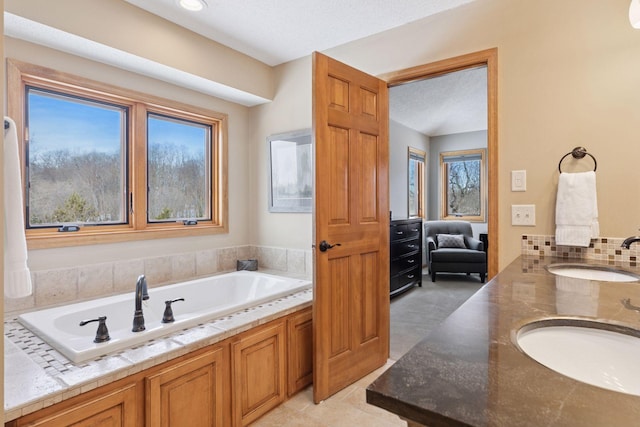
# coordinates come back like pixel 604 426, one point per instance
pixel 258 373
pixel 115 409
pixel 300 352
pixel 190 393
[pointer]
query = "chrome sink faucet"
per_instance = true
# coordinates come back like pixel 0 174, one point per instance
pixel 629 240
pixel 140 295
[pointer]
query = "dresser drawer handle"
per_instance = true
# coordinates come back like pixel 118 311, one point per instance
pixel 412 246
pixel 399 233
pixel 415 229
pixel 411 276
pixel 411 261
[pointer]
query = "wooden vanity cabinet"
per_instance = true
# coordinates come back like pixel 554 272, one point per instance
pixel 115 408
pixel 258 367
pixel 189 393
pixel 299 351
pixel 233 382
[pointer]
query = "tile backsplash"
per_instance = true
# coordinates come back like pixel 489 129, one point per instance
pixel 605 249
pixel 67 285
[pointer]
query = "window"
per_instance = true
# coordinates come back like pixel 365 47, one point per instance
pixel 76 160
pixel 416 182
pixel 178 169
pixel 120 165
pixel 463 185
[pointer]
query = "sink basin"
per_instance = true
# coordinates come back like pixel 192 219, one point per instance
pixel 599 354
pixel 589 272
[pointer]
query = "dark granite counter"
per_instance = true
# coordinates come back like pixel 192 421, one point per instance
pixel 468 372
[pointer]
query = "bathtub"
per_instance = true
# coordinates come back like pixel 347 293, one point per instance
pixel 204 299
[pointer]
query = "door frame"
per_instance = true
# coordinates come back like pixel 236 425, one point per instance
pixel 488 58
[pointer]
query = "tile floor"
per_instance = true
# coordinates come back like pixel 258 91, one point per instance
pixel 413 315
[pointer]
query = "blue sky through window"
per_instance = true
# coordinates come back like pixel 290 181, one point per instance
pixel 191 138
pixel 57 123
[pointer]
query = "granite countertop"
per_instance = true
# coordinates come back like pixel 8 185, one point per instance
pixel 468 372
pixel 52 378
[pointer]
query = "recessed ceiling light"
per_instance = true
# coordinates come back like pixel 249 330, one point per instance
pixel 192 5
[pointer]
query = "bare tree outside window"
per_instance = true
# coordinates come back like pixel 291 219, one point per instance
pixel 75 160
pixel 463 185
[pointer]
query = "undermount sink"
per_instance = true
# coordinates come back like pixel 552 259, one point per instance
pixel 590 272
pixel 600 354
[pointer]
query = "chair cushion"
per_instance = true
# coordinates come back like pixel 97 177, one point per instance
pixel 458 255
pixel 451 241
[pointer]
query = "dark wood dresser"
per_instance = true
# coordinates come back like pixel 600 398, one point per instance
pixel 405 254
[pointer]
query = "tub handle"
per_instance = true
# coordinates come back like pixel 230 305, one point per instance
pixel 102 334
pixel 167 317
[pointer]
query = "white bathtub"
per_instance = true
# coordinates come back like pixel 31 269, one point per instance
pixel 205 299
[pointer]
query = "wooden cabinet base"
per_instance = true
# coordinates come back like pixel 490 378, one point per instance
pixel 233 382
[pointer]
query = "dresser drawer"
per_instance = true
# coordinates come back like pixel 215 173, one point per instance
pixel 404 248
pixel 412 276
pixel 405 263
pixel 398 232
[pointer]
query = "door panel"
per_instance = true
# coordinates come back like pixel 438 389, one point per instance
pixel 351 283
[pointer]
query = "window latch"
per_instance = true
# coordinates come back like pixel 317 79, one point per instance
pixel 68 228
pixel 190 222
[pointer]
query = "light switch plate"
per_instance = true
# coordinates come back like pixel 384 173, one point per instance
pixel 519 180
pixel 523 215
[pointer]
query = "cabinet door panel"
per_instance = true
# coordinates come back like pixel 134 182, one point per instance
pixel 258 373
pixel 300 352
pixel 115 409
pixel 190 393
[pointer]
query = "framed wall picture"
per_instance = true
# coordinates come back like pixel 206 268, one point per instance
pixel 290 172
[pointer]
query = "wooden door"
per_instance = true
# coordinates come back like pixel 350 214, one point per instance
pixel 351 281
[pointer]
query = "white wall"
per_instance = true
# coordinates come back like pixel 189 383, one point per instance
pixel 290 110
pixel 567 76
pixel 400 139
pixel 442 143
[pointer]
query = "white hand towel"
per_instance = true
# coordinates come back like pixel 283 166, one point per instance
pixel 577 209
pixel 17 278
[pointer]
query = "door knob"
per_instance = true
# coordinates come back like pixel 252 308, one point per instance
pixel 324 246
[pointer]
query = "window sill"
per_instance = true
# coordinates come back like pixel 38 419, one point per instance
pixel 47 239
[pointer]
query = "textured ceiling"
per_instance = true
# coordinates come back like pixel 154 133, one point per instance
pixel 277 31
pixel 452 103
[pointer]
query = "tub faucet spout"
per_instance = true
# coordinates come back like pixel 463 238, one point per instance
pixel 140 295
pixel 629 240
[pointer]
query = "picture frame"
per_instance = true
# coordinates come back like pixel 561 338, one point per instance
pixel 290 171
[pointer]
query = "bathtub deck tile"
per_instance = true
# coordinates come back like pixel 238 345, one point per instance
pixel 208 333
pixel 150 351
pixel 107 366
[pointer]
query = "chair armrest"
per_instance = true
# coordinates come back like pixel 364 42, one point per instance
pixel 473 243
pixel 431 244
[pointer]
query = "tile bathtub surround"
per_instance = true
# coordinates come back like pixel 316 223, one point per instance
pixel 67 285
pixel 605 249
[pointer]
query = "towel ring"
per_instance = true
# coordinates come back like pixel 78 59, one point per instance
pixel 578 153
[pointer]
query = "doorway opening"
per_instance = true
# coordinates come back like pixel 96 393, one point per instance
pixel 482 65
